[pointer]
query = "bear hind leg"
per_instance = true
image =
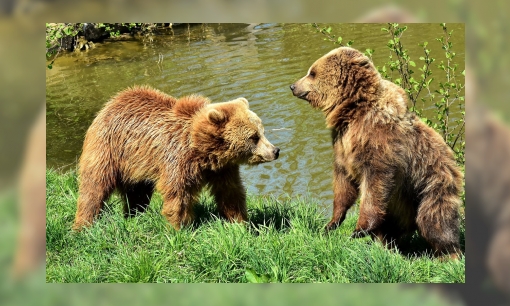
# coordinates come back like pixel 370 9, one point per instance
pixel 92 194
pixel 438 222
pixel 376 190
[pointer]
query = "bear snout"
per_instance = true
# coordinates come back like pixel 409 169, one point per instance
pixel 270 153
pixel 294 90
pixel 276 152
pixel 265 152
pixel 298 91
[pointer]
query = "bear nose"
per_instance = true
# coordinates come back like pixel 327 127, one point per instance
pixel 292 87
pixel 276 152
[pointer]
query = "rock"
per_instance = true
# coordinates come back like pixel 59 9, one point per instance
pixel 94 33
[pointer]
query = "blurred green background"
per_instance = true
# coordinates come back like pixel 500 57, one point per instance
pixel 22 97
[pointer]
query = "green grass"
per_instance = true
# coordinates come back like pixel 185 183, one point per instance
pixel 283 242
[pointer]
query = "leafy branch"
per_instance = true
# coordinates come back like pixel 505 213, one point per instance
pixel 327 32
pixel 447 92
pixel 450 92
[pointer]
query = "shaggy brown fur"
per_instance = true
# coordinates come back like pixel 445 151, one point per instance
pixel 144 139
pixel 405 172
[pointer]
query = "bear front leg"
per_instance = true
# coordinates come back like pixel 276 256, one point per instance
pixel 345 194
pixel 178 211
pixel 228 191
pixel 376 187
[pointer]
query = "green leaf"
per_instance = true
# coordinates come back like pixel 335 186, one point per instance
pixel 412 63
pixel 328 30
pixel 255 278
pixel 339 40
pixel 50 66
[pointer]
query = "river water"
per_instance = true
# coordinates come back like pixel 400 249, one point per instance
pixel 222 62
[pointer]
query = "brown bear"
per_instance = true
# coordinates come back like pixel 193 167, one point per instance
pixel 405 172
pixel 144 139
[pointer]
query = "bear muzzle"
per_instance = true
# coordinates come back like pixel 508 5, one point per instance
pixel 270 153
pixel 298 92
pixel 265 152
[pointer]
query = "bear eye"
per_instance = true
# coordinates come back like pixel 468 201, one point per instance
pixel 312 74
pixel 255 138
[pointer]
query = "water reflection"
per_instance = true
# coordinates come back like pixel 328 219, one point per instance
pixel 221 61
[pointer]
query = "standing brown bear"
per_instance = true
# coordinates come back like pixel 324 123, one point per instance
pixel 405 172
pixel 144 139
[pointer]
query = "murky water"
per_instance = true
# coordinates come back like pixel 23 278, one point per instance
pixel 224 61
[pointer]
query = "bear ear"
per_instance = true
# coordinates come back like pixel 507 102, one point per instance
pixel 241 99
pixel 215 116
pixel 363 62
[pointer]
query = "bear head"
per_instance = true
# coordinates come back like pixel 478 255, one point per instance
pixel 341 74
pixel 230 133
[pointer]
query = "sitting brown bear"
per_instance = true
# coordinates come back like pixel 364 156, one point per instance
pixel 404 170
pixel 144 139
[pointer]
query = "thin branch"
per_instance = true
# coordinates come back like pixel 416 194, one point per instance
pixel 458 134
pixel 325 33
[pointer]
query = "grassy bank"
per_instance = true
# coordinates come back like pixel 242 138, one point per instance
pixel 284 242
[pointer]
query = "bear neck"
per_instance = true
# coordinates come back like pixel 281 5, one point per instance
pixel 351 105
pixel 208 150
pixel 212 162
pixel 210 157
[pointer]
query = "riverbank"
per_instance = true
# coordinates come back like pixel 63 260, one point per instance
pixel 284 242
